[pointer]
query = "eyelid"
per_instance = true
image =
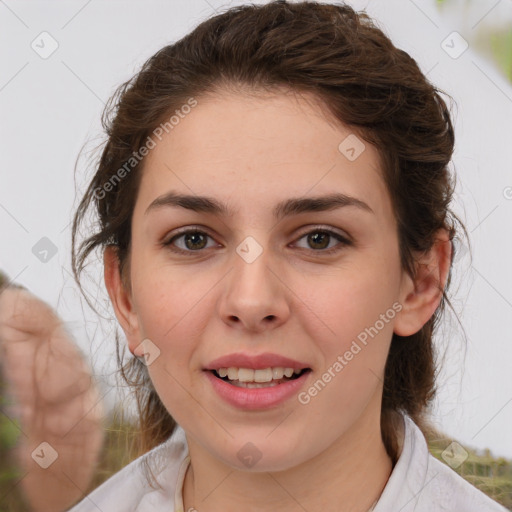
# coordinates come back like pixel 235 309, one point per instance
pixel 166 241
pixel 343 238
pixel 191 227
pixel 320 227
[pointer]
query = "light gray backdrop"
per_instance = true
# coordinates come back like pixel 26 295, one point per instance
pixel 53 87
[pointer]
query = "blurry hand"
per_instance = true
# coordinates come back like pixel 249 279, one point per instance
pixel 55 401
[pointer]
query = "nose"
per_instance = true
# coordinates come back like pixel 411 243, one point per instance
pixel 255 295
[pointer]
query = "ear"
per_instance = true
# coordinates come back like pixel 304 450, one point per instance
pixel 121 300
pixel 421 297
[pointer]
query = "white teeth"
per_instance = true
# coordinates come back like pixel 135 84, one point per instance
pixel 251 375
pixel 239 384
pixel 245 375
pixel 260 375
pixel 277 373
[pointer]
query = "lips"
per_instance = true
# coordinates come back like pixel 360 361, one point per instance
pixel 251 396
pixel 267 397
pixel 256 362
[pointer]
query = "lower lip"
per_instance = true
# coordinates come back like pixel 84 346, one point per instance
pixel 256 398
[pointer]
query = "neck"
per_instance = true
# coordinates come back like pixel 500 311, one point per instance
pixel 347 477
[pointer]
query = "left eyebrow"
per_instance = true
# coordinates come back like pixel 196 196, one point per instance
pixel 283 209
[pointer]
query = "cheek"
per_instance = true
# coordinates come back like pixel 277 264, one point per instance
pixel 354 334
pixel 170 319
pixel 168 303
pixel 355 304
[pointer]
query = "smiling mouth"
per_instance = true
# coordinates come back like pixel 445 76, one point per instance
pixel 249 378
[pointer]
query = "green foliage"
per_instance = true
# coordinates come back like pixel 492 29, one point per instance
pixel 9 433
pixel 119 449
pixel 501 43
pixel 492 40
pixel 493 476
pixel 10 500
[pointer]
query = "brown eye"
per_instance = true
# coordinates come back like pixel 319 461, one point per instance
pixel 320 239
pixel 193 240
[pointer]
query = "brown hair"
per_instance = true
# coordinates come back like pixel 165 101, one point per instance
pixel 363 81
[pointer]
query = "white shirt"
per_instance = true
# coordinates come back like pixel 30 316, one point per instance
pixel 418 483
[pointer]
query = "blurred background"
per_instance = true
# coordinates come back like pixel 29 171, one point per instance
pixel 61 61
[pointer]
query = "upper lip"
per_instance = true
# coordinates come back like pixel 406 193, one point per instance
pixel 257 362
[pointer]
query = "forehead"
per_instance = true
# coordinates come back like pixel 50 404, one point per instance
pixel 260 149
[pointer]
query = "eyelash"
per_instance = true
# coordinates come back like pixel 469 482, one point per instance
pixel 343 241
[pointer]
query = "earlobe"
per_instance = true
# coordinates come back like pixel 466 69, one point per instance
pixel 421 297
pixel 121 299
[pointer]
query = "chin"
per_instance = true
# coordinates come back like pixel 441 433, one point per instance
pixel 261 455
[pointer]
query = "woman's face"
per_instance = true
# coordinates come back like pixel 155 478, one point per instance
pixel 263 277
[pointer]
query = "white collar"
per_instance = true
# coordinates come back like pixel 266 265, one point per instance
pixel 185 463
pixel 178 493
pixel 418 483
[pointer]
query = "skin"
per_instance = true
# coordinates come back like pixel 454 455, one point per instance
pixel 252 152
pixel 53 398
